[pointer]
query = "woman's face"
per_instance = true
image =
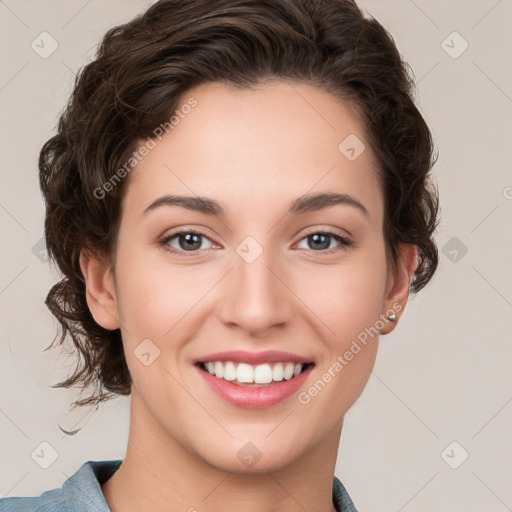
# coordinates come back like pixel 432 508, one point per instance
pixel 266 274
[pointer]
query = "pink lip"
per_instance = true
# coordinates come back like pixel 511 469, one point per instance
pixel 241 356
pixel 254 397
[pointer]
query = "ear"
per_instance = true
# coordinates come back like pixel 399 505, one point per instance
pixel 399 280
pixel 100 290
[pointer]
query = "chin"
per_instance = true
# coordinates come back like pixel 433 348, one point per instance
pixel 251 457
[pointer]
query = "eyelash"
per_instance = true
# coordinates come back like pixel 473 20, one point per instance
pixel 164 242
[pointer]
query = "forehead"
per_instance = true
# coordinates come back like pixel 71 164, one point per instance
pixel 259 149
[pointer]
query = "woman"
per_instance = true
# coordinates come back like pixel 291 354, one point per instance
pixel 239 199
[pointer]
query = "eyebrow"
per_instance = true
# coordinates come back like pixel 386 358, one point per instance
pixel 303 204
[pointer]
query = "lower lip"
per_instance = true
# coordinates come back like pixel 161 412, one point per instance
pixel 254 397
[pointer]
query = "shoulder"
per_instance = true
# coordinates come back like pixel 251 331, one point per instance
pixel 48 501
pixel 81 492
pixel 341 498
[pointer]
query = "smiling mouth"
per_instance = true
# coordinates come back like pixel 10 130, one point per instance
pixel 247 375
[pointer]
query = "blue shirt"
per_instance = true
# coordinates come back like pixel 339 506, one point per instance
pixel 81 492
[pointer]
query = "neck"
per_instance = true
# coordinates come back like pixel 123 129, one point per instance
pixel 160 473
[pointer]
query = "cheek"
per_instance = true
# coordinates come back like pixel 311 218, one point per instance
pixel 349 298
pixel 346 297
pixel 348 305
pixel 349 313
pixel 152 296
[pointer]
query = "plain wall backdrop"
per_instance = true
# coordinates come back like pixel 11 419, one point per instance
pixel 432 429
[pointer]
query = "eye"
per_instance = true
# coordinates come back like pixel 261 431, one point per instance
pixel 186 241
pixel 191 241
pixel 321 241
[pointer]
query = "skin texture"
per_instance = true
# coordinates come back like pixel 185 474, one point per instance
pixel 253 151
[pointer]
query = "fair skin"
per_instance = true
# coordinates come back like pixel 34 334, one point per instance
pixel 253 152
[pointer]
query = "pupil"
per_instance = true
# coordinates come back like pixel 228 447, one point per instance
pixel 191 238
pixel 317 242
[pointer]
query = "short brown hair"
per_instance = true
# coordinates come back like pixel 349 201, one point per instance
pixel 141 72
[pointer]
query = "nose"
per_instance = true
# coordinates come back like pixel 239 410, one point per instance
pixel 256 297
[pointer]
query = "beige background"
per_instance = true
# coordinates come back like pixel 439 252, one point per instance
pixel 443 376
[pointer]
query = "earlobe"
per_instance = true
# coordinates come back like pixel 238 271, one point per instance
pixel 100 290
pixel 399 285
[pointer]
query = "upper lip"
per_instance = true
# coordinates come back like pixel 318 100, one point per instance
pixel 241 356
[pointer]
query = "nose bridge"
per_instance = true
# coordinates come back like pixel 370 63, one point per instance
pixel 256 297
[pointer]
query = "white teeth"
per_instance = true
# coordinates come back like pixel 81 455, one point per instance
pixel 219 369
pixel 278 373
pixel 263 374
pixel 245 373
pixel 288 371
pixel 229 371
